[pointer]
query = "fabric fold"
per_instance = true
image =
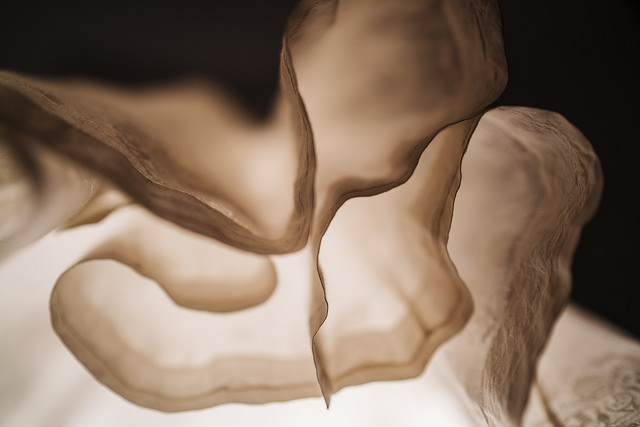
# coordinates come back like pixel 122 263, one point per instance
pixel 365 87
pixel 371 81
pixel 379 80
pixel 393 293
pixel 589 374
pixel 530 181
pixel 39 190
pixel 175 321
pixel 255 261
pixel 195 271
pixel 109 312
pixel 187 152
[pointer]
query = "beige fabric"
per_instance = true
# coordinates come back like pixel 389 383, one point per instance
pixel 266 261
pixel 530 182
pixel 380 80
pixel 365 87
pixel 39 190
pixel 386 319
pixel 42 384
pixel 184 151
pixel 589 375
pixel 144 346
pixel 393 293
pixel 394 296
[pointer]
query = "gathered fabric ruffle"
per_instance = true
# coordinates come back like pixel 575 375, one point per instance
pixel 378 212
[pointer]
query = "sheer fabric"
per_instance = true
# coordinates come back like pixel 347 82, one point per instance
pixel 530 182
pixel 249 261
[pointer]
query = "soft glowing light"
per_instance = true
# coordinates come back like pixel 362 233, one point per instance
pixel 218 259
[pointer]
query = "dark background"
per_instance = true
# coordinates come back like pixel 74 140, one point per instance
pixel 579 58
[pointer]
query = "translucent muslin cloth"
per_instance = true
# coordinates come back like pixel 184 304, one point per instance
pixel 256 261
pixel 531 181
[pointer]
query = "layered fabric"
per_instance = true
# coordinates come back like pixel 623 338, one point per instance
pixel 380 80
pixel 530 182
pixel 323 247
pixel 393 291
pixel 589 374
